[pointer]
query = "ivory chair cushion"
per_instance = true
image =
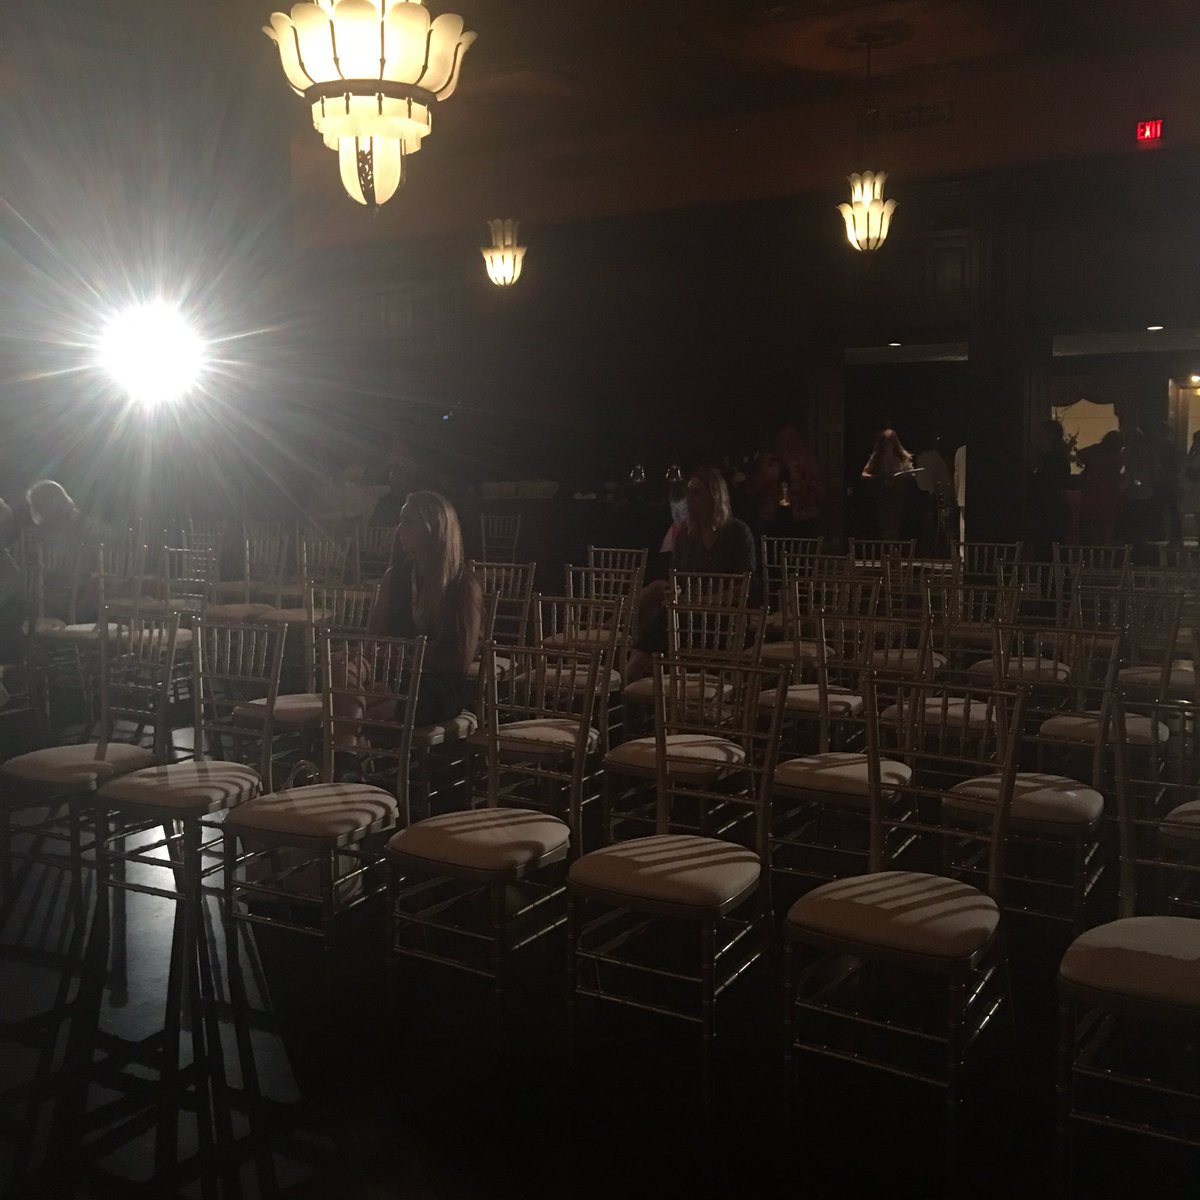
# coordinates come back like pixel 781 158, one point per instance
pixel 238 612
pixel 1155 960
pixel 1085 728
pixel 806 698
pixel 1026 669
pixel 788 651
pixel 1181 682
pixel 689 756
pixel 906 912
pixel 954 713
pixel 46 624
pixel 77 633
pixel 1182 824
pixel 230 587
pixel 697 687
pixel 1039 804
pixel 499 841
pixel 576 680
pixel 681 871
pixel 904 659
pixel 184 789
pixel 76 766
pixel 282 616
pixel 503 667
pixel 456 729
pixel 838 775
pixel 299 710
pixel 544 736
pixel 331 814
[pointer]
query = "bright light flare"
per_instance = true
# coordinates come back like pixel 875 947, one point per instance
pixel 153 353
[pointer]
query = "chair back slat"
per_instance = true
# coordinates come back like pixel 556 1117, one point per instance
pixel 369 706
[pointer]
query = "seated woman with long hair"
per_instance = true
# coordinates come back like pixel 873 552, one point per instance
pixel 427 590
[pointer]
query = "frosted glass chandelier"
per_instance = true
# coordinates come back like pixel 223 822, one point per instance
pixel 503 257
pixel 868 215
pixel 371 70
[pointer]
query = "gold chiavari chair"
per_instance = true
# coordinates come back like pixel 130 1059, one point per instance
pixel 1104 558
pixel 306 850
pixel 706 633
pixel 1129 990
pixel 231 665
pixel 608 557
pixel 135 670
pixel 779 558
pixel 965 616
pixel 697 892
pixel 372 552
pixel 319 560
pixel 1056 856
pixel 500 535
pixel 263 562
pixel 1151 665
pixel 297 716
pixel 941 935
pixel 979 562
pixel 874 552
pixel 470 889
pixel 821 801
pixel 511 584
pixel 575 622
pixel 806 597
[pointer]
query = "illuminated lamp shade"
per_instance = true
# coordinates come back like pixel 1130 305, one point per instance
pixel 371 70
pixel 868 215
pixel 503 256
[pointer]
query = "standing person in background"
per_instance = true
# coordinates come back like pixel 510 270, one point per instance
pixel 1167 485
pixel 1048 482
pixel 889 470
pixel 1189 487
pixel 1100 489
pixel 936 490
pixel 960 489
pixel 756 500
pixel 803 480
pixel 1141 517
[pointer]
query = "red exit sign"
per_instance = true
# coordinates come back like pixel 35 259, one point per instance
pixel 1149 131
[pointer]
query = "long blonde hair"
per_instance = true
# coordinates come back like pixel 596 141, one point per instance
pixel 714 484
pixel 443 567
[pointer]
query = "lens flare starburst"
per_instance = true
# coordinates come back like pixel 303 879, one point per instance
pixel 153 353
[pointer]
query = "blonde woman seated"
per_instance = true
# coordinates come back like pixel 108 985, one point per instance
pixel 428 591
pixel 711 539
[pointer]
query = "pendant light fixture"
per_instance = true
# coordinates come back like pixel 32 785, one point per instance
pixel 868 216
pixel 503 257
pixel 371 70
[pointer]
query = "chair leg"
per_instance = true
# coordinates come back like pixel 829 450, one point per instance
pixel 498 958
pixel 1064 1093
pixel 573 929
pixel 708 1004
pixel 789 1035
pixel 6 867
pixel 956 1002
pixel 328 944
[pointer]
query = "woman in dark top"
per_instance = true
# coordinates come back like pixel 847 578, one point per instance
pixel 711 540
pixel 427 590
pixel 1048 512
